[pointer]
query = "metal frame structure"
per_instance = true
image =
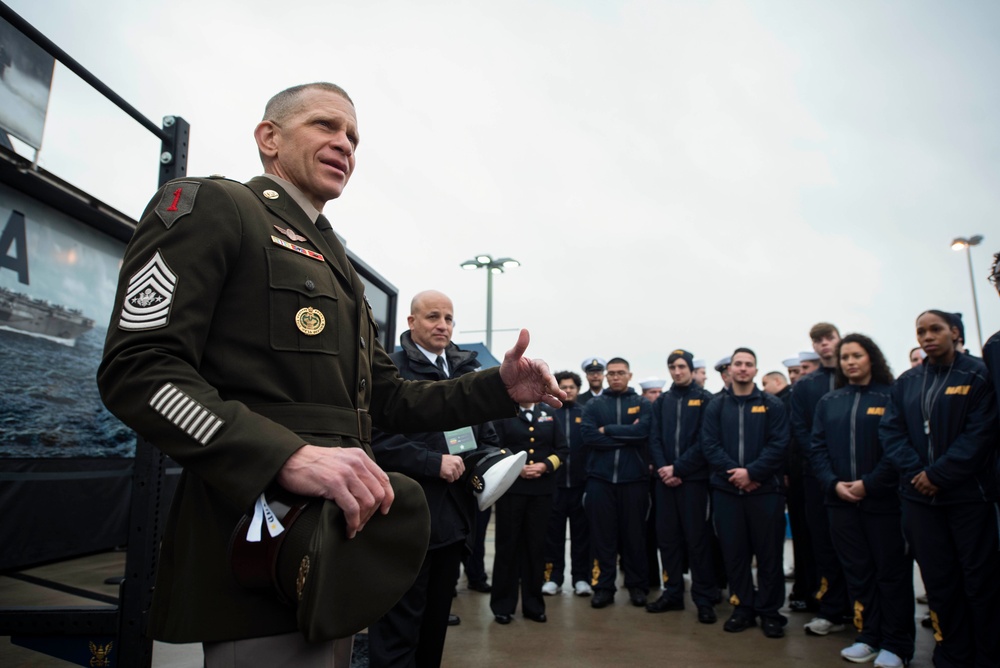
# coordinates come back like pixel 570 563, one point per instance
pixel 152 485
pixel 121 621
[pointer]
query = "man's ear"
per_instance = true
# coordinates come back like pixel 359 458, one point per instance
pixel 267 135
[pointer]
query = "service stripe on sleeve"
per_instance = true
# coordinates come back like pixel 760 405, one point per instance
pixel 185 413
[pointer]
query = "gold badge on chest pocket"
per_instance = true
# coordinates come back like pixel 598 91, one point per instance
pixel 310 321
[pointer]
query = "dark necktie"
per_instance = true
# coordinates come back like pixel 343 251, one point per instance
pixel 324 226
pixel 440 365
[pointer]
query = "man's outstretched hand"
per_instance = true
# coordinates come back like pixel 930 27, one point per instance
pixel 529 381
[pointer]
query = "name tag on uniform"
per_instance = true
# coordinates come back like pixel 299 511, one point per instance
pixel 460 440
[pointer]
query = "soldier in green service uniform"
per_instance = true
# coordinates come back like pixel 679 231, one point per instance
pixel 242 346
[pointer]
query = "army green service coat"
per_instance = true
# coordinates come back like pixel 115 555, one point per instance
pixel 208 357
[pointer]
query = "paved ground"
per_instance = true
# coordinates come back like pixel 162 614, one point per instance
pixel 576 635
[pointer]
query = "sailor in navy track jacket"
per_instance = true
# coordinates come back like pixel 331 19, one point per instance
pixel 866 535
pixel 682 512
pixel 942 421
pixel 751 432
pixel 617 489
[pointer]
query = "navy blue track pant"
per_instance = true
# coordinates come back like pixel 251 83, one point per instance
pixel 567 504
pixel 684 534
pixel 831 589
pixel 879 575
pixel 617 515
pixel 958 549
pixel 751 525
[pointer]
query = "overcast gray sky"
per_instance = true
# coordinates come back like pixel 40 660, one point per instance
pixel 671 174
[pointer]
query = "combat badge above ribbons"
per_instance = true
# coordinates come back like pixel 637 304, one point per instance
pixel 149 296
pixel 310 321
pixel 290 233
pixel 177 200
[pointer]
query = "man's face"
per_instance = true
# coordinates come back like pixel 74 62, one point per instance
pixel 652 393
pixel 699 376
pixel 595 379
pixel 680 372
pixel 314 147
pixel 743 368
pixel 618 377
pixel 826 347
pixel 570 388
pixel 793 373
pixel 432 322
pixel 808 366
pixel 727 378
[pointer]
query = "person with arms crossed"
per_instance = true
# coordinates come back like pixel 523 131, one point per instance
pixel 615 432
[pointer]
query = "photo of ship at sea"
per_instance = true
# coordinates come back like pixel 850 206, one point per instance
pixel 37 317
pixel 49 402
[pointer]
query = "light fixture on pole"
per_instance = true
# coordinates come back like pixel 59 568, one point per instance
pixel 497 266
pixel 958 244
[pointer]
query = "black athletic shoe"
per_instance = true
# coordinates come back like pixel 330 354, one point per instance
pixel 602 598
pixel 665 604
pixel 739 622
pixel 483 587
pixel 773 627
pixel 706 614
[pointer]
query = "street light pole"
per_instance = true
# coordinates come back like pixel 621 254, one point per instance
pixel 492 266
pixel 489 310
pixel 958 244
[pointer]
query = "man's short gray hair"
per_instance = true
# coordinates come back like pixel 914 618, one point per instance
pixel 289 101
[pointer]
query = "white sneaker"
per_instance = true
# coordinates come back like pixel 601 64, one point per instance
pixel 859 652
pixel 550 588
pixel 887 659
pixel 581 588
pixel 820 627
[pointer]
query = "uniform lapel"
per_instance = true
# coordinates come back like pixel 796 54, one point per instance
pixel 284 207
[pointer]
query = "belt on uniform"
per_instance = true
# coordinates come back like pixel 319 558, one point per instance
pixel 319 419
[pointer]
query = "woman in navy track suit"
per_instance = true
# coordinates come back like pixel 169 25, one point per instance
pixel 940 431
pixel 860 488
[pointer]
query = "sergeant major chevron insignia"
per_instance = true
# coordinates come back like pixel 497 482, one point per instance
pixel 149 296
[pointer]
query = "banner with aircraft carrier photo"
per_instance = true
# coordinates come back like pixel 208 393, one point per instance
pixel 57 285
